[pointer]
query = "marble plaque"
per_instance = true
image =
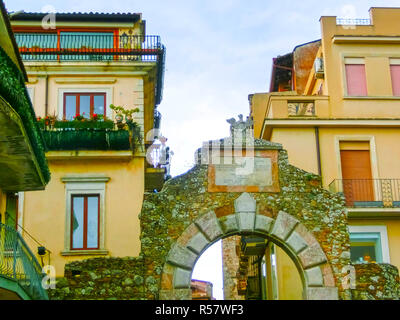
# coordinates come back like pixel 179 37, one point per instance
pixel 245 173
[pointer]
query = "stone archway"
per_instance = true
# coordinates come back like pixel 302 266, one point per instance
pixel 285 230
pixel 214 200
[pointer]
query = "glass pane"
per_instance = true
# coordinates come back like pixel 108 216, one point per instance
pixel 93 222
pixel 84 106
pixel 98 104
pixel 70 107
pixel 77 222
pixel 365 247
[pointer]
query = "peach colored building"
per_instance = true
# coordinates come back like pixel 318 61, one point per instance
pixel 77 68
pixel 334 105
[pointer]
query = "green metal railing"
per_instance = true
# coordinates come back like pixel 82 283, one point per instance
pixel 18 263
pixel 87 139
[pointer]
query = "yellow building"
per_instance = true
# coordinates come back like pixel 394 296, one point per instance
pixel 334 105
pixel 23 167
pixel 78 65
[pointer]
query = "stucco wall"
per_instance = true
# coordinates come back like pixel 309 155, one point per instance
pixel 45 211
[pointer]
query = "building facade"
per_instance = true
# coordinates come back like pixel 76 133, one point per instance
pixel 23 168
pixel 95 81
pixel 334 105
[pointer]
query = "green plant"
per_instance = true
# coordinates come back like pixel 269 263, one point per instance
pixel 122 111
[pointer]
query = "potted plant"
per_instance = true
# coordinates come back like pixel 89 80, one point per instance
pixel 119 116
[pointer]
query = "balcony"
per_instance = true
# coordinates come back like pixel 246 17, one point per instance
pixel 94 47
pixel 88 47
pixel 88 134
pixel 20 273
pixel 368 193
pixel 289 105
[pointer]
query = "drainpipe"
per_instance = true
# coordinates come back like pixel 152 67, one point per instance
pixel 46 97
pixel 318 150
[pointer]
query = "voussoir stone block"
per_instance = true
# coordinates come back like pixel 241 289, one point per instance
pixel 209 225
pixel 229 224
pixel 322 293
pixel 245 203
pixel 182 257
pixel 176 294
pixel 246 220
pixel 312 256
pixel 182 278
pixel 283 225
pixel 198 243
pixel 296 242
pixel 263 223
pixel 314 277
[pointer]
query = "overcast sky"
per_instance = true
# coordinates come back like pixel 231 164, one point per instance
pixel 218 52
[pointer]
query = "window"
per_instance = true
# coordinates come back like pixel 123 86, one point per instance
pixel 85 104
pixel 356 79
pixel 85 218
pixel 368 244
pixel 85 214
pixel 395 75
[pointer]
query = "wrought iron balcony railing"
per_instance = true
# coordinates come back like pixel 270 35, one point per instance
pixel 368 193
pixel 17 263
pixel 94 47
pixel 88 47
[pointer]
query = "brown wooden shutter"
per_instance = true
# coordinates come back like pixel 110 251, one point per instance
pixel 357 176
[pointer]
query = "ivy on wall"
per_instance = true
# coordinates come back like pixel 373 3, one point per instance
pixel 12 89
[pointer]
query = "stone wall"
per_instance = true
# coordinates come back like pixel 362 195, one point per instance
pixel 376 282
pixel 315 218
pixel 103 278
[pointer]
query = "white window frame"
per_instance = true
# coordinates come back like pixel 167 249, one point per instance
pixel 382 230
pixel 107 90
pixel 84 184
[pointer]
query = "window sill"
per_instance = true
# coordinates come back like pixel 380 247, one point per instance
pixel 371 98
pixel 84 252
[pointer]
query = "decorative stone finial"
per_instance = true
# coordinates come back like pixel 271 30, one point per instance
pixel 240 127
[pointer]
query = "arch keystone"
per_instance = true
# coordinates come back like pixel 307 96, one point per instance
pixel 245 203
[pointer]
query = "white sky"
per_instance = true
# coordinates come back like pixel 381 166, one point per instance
pixel 218 52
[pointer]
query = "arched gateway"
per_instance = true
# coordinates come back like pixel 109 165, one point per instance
pixel 241 188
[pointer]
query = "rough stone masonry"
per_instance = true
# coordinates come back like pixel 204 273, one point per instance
pixel 193 211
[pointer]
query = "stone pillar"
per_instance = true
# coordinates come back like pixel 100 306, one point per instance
pixel 230 262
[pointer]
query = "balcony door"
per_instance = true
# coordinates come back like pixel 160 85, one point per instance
pixel 357 176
